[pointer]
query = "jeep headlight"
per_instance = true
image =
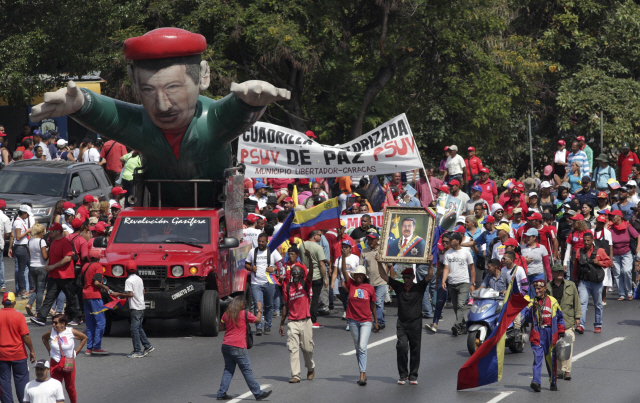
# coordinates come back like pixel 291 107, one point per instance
pixel 177 271
pixel 117 270
pixel 42 212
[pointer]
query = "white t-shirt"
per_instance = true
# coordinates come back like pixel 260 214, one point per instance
pixel 471 204
pixel 458 262
pixel 134 283
pixel 521 276
pixel 45 151
pixel 560 156
pixel 24 227
pixel 276 228
pixel 455 165
pixel 91 155
pixel 67 227
pixel 262 202
pixel 5 227
pixel 49 391
pixel 251 235
pixel 537 254
pixel 76 152
pixel 66 340
pixel 35 250
pixel 261 263
pixel 352 261
pixel 635 199
pixel 463 197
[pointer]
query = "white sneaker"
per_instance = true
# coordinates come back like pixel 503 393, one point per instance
pixel 344 316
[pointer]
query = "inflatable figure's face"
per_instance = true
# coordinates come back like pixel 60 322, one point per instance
pixel 168 95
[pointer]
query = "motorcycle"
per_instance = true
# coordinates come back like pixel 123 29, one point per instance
pixel 483 318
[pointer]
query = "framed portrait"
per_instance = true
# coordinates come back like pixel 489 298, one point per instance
pixel 407 235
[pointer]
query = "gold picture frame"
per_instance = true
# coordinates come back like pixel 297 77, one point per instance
pixel 396 246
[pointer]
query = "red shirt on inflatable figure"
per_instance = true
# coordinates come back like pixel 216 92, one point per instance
pixel 180 134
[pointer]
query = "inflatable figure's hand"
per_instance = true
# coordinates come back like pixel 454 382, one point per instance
pixel 259 93
pixel 63 102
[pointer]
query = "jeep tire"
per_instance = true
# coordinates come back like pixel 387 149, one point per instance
pixel 210 313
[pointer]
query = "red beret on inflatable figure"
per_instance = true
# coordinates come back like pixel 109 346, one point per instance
pixel 180 133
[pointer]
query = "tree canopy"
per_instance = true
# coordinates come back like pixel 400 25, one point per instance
pixel 466 72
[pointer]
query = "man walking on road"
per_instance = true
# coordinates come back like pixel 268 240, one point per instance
pixel 458 263
pixel 296 295
pixel 409 324
pixel 5 228
pixel 14 334
pixel 566 293
pixel 261 263
pixel 315 258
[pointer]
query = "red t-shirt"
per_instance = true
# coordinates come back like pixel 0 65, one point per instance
pixel 27 155
pixel 235 335
pixel 298 299
pixel 174 137
pixel 92 271
pixel 575 239
pixel 81 244
pixel 82 213
pixel 57 251
pixel 359 303
pixel 489 191
pixel 12 327
pixel 112 151
pixel 474 164
pixel 625 162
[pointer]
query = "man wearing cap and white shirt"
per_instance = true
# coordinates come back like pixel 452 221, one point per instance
pixel 260 197
pixel 454 166
pixel 458 263
pixel 588 193
pixel 633 196
pixel 5 228
pixel 43 389
pixel 473 165
pixel 250 234
pixel 561 159
pixel 454 190
pixel 586 149
pixel 476 198
pixel 602 173
pixel 91 154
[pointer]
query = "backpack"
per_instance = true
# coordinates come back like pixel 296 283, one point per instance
pixel 80 278
pixel 592 273
pixel 493 243
pixel 255 256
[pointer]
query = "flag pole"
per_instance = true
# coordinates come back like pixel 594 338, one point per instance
pixel 530 144
pixel 601 132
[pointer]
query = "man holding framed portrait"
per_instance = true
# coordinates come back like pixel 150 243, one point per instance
pixel 407 235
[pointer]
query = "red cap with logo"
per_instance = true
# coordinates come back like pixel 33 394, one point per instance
pixel 616 212
pixel 118 191
pixel 55 227
pixel 580 138
pixel 252 218
pixel 601 218
pixel 67 205
pixel 484 170
pixel 309 133
pixel 88 199
pixel 454 182
pixel 602 195
pixel 535 216
pixel 471 149
pixel 76 223
pixel 562 142
pixel 162 43
pixel 288 199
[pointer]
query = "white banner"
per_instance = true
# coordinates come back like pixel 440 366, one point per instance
pixel 353 221
pixel 270 151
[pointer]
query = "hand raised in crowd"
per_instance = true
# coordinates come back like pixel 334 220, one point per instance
pixel 63 102
pixel 259 93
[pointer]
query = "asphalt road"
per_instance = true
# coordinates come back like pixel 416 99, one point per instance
pixel 187 368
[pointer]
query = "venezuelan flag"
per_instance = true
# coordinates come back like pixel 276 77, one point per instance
pixel 115 303
pixel 485 365
pixel 301 223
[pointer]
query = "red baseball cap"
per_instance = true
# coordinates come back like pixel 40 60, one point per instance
pixel 577 217
pixel 520 186
pixel 309 133
pixel 68 204
pixel 88 199
pixel 516 191
pixel 444 188
pixel 484 170
pixel 303 181
pixel 580 138
pixel 511 242
pixel 100 227
pixel 602 195
pixel 446 148
pixel 454 182
pixel 535 216
pixel 118 191
pixel 94 253
pixel 355 205
pixel 55 227
pixel 117 206
pixel 601 218
pixel 3 204
pixel 131 266
pixel 163 43
pixel 76 223
pixel 562 142
pixel 616 212
pixel 408 271
pixel 288 199
pixel 471 149
pixel 252 218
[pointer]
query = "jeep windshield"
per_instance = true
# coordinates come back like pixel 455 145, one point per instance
pixel 164 229
pixel 32 183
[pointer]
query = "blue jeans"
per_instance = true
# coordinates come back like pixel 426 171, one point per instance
pixel 20 379
pixel 237 356
pixel 58 304
pixel 360 331
pixel 380 291
pixel 586 288
pixel 264 294
pixel 2 283
pixel 277 298
pixel 344 297
pixel 22 258
pixel 137 333
pixel 622 267
pixel 428 305
pixel 38 279
pixel 95 323
pixel 441 295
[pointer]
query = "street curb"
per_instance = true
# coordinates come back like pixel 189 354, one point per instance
pixel 20 306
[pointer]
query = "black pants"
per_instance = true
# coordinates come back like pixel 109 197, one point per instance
pixel 316 286
pixel 408 346
pixel 54 287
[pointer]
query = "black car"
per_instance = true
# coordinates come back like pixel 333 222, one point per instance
pixel 43 183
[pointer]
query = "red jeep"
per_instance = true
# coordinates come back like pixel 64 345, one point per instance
pixel 189 264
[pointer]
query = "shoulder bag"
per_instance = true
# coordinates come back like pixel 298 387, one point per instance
pixel 68 363
pixel 249 334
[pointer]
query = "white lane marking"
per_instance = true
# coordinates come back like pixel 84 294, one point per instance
pixel 377 343
pixel 244 395
pixel 596 348
pixel 500 397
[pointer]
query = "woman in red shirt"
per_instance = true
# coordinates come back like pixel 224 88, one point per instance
pixel 361 307
pixel 234 347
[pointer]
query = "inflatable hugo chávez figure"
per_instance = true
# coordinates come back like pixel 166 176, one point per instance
pixel 547 326
pixel 180 134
